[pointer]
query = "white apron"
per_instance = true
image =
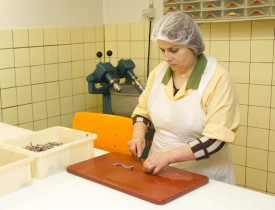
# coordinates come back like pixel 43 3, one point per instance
pixel 178 122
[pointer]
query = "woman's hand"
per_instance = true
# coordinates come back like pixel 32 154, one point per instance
pixel 136 146
pixel 155 162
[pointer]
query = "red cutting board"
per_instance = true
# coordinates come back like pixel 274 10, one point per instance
pixel 169 184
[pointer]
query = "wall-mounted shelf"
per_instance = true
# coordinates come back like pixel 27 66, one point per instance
pixel 222 10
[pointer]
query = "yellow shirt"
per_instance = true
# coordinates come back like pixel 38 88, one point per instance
pixel 219 100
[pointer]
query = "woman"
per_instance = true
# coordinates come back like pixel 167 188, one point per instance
pixel 191 102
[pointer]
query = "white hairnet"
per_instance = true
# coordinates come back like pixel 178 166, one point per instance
pixel 179 28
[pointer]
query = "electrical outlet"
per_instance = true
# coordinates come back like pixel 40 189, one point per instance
pixel 152 13
pixel 149 13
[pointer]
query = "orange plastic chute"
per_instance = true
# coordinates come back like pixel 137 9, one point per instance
pixel 113 132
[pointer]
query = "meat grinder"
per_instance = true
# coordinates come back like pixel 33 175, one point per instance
pixel 119 86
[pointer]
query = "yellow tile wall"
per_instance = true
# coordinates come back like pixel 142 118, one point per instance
pixel 129 41
pixel 43 75
pixel 43 80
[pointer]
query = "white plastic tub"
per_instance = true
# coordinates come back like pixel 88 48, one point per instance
pixel 15 170
pixel 76 146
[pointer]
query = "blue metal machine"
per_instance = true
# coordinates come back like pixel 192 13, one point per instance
pixel 107 76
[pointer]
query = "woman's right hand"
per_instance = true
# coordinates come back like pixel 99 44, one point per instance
pixel 136 146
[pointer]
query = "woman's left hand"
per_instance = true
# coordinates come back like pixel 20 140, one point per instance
pixel 155 162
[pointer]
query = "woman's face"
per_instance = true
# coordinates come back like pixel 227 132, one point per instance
pixel 180 58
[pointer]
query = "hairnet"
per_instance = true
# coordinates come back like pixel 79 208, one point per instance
pixel 179 28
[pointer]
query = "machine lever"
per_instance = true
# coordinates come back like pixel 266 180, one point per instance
pixel 109 53
pixel 99 55
pixel 138 84
pixel 115 86
pixel 125 69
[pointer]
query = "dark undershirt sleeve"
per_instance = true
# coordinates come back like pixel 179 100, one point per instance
pixel 204 147
pixel 139 118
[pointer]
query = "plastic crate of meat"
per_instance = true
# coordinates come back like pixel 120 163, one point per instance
pixel 71 146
